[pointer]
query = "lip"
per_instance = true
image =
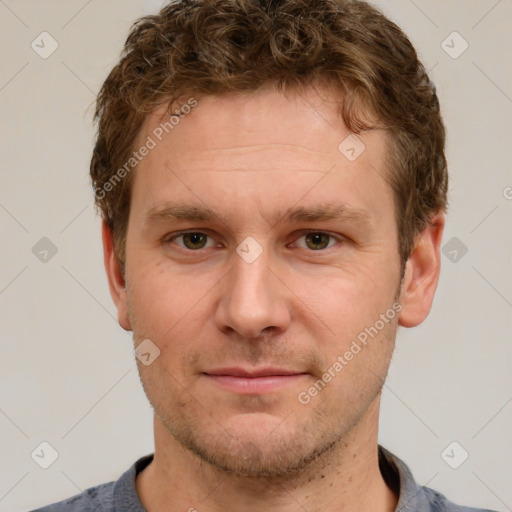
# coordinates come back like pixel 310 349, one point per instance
pixel 268 371
pixel 263 380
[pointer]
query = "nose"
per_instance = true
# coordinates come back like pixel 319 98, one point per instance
pixel 254 300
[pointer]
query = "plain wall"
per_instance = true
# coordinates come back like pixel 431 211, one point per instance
pixel 67 368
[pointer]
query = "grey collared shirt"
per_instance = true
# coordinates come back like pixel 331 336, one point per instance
pixel 121 496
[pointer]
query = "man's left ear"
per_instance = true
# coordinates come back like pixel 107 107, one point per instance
pixel 422 274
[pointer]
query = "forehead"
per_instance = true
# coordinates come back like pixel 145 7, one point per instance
pixel 264 148
pixel 298 118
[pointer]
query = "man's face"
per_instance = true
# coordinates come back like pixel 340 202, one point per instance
pixel 264 286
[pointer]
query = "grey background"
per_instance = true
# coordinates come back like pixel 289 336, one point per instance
pixel 67 369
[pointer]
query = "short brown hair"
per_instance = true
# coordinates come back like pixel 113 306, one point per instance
pixel 215 47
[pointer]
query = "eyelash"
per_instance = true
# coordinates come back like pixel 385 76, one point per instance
pixel 337 238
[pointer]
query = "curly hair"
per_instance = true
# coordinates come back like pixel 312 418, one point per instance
pixel 214 47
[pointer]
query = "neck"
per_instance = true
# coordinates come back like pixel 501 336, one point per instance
pixel 344 479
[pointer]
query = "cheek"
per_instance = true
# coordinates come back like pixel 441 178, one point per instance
pixel 347 299
pixel 163 302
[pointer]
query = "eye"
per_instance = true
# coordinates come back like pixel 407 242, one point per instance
pixel 192 240
pixel 317 240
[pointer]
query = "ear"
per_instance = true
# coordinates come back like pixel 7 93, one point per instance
pixel 116 280
pixel 422 274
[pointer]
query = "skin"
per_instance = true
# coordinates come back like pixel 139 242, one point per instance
pixel 299 305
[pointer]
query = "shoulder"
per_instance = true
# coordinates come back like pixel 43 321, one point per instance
pixel 439 503
pixel 414 497
pixel 96 499
pixel 118 496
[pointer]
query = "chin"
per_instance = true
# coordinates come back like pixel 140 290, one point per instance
pixel 256 445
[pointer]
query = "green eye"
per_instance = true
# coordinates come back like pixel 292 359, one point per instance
pixel 317 241
pixel 194 240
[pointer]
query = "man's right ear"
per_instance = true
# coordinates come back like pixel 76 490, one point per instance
pixel 115 276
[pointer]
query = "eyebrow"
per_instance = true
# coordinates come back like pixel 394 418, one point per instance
pixel 169 212
pixel 328 212
pixel 180 211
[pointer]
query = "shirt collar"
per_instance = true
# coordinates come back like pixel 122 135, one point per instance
pixel 394 471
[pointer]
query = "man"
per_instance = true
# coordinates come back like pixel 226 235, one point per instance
pixel 272 183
